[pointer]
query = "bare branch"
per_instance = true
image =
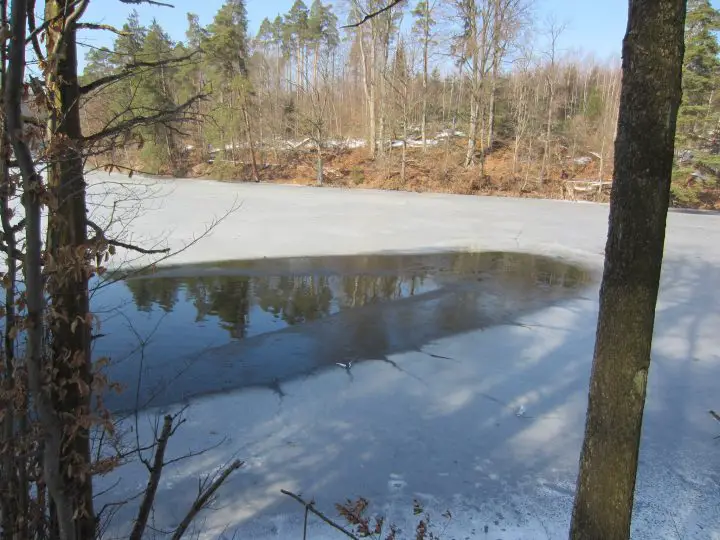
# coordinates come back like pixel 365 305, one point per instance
pixel 151 2
pixel 100 236
pixel 32 27
pixel 204 497
pixel 310 506
pixel 144 120
pixel 374 14
pixel 95 26
pixel 154 480
pixel 131 69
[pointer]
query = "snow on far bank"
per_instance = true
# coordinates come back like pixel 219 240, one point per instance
pixel 444 431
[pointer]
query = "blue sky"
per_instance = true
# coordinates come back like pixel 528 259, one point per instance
pixel 593 26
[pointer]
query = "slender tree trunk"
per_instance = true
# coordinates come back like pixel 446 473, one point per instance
pixel 319 164
pixel 12 460
pixel 548 127
pixel 251 144
pixel 474 85
pixel 426 47
pixel 369 87
pixel 649 100
pixel 67 248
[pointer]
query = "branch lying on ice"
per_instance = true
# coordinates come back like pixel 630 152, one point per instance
pixel 715 415
pixel 130 69
pixel 205 492
pixel 100 237
pixel 310 507
pixel 144 120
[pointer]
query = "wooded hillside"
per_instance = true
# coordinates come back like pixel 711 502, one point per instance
pixel 468 96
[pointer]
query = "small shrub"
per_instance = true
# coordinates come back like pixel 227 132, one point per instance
pixel 357 175
pixel 681 195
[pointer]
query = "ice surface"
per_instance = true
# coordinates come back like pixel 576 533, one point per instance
pixel 445 431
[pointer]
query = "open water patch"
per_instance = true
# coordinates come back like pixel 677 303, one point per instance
pixel 178 332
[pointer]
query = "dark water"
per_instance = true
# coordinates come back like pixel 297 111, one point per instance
pixel 185 331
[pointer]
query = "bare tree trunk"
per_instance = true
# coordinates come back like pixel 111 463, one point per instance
pixel 548 128
pixel 251 143
pixel 12 460
pixel 52 432
pixel 649 100
pixel 471 21
pixel 67 248
pixel 426 47
pixel 319 173
pixel 369 88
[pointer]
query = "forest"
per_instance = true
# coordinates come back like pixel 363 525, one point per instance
pixel 468 96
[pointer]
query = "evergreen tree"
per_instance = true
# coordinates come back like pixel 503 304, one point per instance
pixel 226 44
pixel 129 44
pixel 155 93
pixel 698 115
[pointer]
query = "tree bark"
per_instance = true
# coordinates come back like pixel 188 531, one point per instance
pixel 67 249
pixel 649 100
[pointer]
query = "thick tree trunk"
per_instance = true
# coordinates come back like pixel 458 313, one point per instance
pixel 67 248
pixel 649 101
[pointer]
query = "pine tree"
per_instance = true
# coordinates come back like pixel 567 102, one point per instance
pixel 155 93
pixel 227 39
pixel 227 49
pixel 698 115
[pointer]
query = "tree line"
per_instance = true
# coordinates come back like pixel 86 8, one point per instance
pixel 471 77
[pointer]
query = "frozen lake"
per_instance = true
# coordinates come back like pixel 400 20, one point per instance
pixel 484 419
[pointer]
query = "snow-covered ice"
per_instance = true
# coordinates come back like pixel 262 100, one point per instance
pixel 493 435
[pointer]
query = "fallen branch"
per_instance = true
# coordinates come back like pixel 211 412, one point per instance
pixel 310 507
pixel 154 480
pixel 203 498
pixel 100 237
pixel 715 415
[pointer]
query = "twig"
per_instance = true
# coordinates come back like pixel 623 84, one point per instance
pixel 204 497
pixel 715 415
pixel 310 506
pixel 153 481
